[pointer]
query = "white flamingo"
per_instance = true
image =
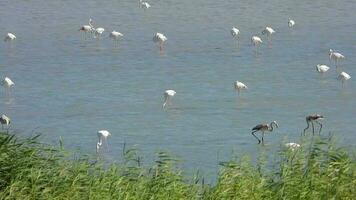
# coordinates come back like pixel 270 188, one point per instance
pixel 322 68
pixel 116 36
pixel 235 33
pixel 145 5
pixel 336 56
pixel 9 37
pixel 5 120
pixel 291 23
pixel 102 137
pixel 292 146
pixel 239 86
pixel 98 32
pixel 343 76
pixel 160 39
pixel 168 94
pixel 268 31
pixel 7 83
pixel 256 41
pixel 87 28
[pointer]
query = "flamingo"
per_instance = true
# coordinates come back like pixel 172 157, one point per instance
pixel 239 86
pixel 159 38
pixel 168 94
pixel 291 23
pixel 336 56
pixel 87 28
pixel 7 83
pixel 256 41
pixel 235 33
pixel 145 5
pixel 98 32
pixel 311 119
pixel 343 76
pixel 263 128
pixel 5 120
pixel 9 37
pixel 292 146
pixel 116 36
pixel 268 31
pixel 102 136
pixel 322 68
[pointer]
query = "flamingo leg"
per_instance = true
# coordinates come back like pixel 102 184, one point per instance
pixel 313 127
pixel 321 126
pixel 253 133
pixel 263 134
pixel 306 127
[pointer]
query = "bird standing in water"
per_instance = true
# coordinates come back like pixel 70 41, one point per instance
pixel 311 119
pixel 262 128
pixel 5 120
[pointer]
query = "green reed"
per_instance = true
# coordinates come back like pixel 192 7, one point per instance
pixel 31 170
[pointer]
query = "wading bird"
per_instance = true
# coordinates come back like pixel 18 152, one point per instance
pixel 235 33
pixel 293 146
pixel 291 23
pixel 311 119
pixel 7 83
pixel 256 41
pixel 116 36
pixel 322 68
pixel 343 76
pixel 160 39
pixel 262 128
pixel 98 32
pixel 5 120
pixel 145 5
pixel 268 31
pixel 87 28
pixel 9 37
pixel 102 137
pixel 335 56
pixel 239 86
pixel 168 94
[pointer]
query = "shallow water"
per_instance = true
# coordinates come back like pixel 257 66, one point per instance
pixel 71 87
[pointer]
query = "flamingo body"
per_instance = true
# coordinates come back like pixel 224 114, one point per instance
pixel 322 68
pixel 291 23
pixel 102 136
pixel 9 37
pixel 168 94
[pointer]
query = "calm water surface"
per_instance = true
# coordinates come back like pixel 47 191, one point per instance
pixel 71 87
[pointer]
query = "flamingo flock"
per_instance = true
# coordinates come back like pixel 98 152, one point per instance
pixel 160 39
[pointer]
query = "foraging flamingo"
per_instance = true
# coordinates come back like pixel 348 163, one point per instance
pixel 102 136
pixel 291 23
pixel 262 128
pixel 5 120
pixel 239 86
pixel 256 41
pixel 160 39
pixel 116 36
pixel 343 76
pixel 322 68
pixel 311 119
pixel 168 94
pixel 336 56
pixel 9 37
pixel 268 31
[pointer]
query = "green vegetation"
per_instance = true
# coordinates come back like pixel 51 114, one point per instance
pixel 30 170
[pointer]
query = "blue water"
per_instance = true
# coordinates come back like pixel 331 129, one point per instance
pixel 70 87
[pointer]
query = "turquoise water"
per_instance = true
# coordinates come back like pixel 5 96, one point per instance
pixel 71 87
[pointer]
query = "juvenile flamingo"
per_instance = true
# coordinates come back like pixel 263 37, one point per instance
pixel 5 120
pixel 262 128
pixel 311 119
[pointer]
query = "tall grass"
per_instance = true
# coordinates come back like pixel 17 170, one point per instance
pixel 30 170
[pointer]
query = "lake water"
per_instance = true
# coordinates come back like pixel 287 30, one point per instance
pixel 71 87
